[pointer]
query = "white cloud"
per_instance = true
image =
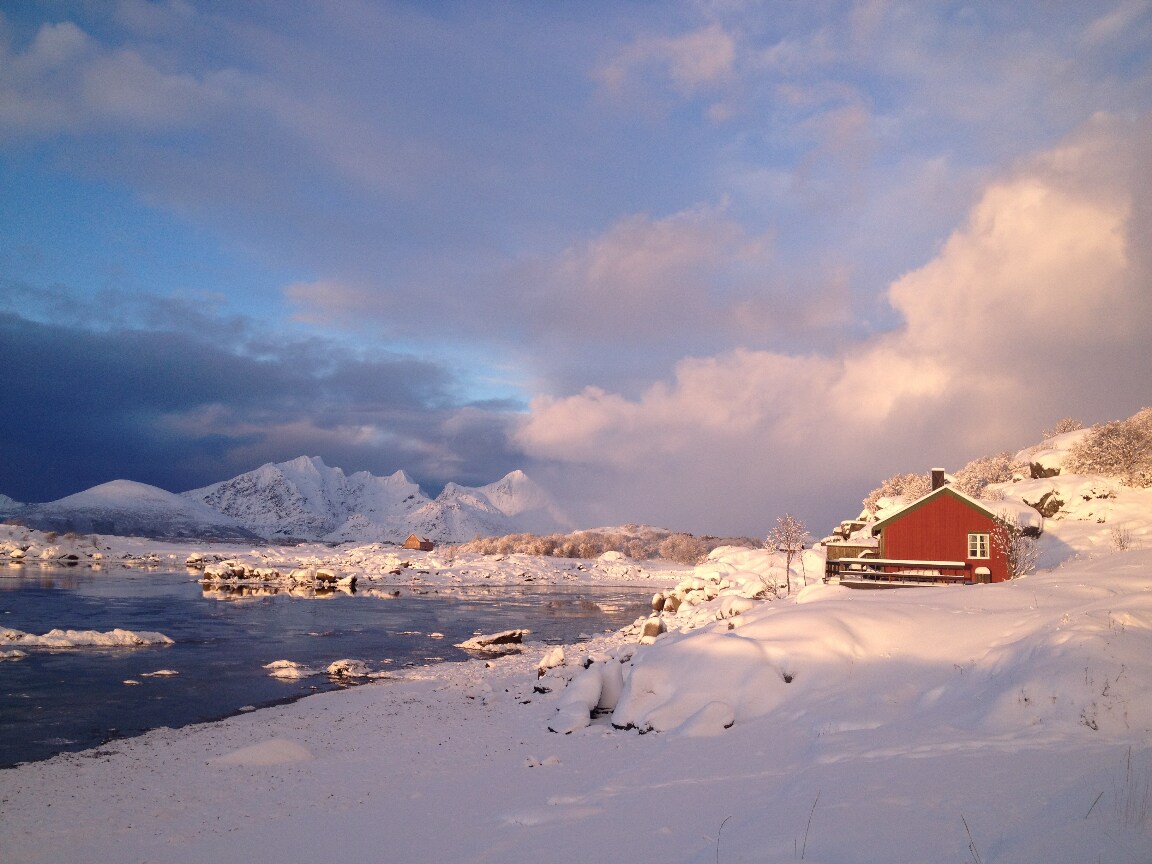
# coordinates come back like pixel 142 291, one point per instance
pixel 700 61
pixel 1044 289
pixel 66 81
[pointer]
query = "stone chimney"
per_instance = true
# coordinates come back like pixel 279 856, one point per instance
pixel 937 478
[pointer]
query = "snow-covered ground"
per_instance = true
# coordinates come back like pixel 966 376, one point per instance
pixel 990 723
pixel 986 723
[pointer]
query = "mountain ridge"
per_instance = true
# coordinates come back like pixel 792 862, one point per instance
pixel 301 499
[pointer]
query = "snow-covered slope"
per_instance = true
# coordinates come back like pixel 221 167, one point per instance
pixel 306 499
pixel 127 508
pixel 9 506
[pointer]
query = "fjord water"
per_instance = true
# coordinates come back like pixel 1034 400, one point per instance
pixel 53 701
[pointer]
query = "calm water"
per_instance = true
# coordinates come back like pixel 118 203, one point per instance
pixel 55 701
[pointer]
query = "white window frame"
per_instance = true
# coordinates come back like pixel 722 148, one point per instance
pixel 978 546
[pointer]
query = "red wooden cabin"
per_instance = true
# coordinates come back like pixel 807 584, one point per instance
pixel 944 527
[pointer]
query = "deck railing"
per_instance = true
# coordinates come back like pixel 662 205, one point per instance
pixel 898 570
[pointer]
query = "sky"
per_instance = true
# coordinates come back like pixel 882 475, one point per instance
pixel 691 264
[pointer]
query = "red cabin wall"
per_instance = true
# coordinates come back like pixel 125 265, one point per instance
pixel 938 530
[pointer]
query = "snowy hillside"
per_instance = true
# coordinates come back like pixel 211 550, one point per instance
pixel 1088 490
pixel 126 508
pixel 308 500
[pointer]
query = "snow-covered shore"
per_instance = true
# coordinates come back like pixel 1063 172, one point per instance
pixel 993 723
pixel 23 549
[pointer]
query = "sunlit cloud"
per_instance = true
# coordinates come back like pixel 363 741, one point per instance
pixel 994 333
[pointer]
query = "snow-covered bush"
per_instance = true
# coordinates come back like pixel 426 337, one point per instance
pixel 1068 424
pixel 1121 449
pixel 909 486
pixel 973 477
pixel 640 544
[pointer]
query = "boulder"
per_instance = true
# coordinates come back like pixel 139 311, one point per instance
pixel 1040 471
pixel 554 658
pixel 348 669
pixel 652 628
pixel 1047 505
pixel 508 640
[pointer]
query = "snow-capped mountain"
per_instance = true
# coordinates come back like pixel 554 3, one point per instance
pixel 308 500
pixel 127 508
pixel 305 499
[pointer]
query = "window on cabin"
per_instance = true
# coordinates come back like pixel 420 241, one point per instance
pixel 978 546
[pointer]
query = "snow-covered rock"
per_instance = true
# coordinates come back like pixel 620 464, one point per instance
pixel 348 668
pixel 507 640
pixel 288 669
pixel 117 638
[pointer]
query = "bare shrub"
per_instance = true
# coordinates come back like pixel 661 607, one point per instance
pixel 790 537
pixel 1068 424
pixel 683 548
pixel 1122 539
pixel 1021 551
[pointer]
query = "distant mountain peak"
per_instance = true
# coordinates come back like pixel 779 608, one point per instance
pixel 128 508
pixel 304 498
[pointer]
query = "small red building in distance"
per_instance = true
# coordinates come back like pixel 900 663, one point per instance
pixel 944 527
pixel 414 541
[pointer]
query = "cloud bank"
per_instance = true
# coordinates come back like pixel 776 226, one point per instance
pixel 1044 292
pixel 740 258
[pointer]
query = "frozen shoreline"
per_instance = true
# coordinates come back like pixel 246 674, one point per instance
pixel 369 564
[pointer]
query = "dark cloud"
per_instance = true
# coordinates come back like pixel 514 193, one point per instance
pixel 180 409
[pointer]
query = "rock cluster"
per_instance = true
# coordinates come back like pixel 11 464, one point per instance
pixel 234 571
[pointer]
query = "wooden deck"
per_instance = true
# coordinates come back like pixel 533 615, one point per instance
pixel 896 573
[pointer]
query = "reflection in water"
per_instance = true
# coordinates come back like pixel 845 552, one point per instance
pixel 218 591
pixel 48 579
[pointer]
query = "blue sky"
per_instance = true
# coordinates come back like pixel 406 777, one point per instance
pixel 694 264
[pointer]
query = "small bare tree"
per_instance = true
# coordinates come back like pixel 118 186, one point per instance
pixel 1068 424
pixel 1021 551
pixel 790 537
